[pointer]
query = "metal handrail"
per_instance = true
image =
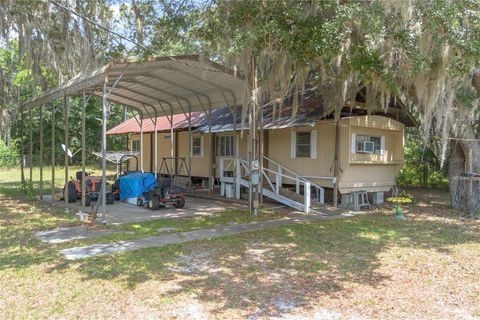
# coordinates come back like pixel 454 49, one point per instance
pixel 296 174
pixel 319 190
pixel 244 171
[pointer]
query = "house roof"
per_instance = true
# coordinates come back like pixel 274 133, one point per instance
pixel 174 83
pixel 310 111
pixel 180 121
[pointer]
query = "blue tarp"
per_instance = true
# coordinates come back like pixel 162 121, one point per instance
pixel 135 184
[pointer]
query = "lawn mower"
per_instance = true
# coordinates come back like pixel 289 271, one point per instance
pixel 164 195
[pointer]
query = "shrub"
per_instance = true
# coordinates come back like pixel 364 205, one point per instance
pixel 9 155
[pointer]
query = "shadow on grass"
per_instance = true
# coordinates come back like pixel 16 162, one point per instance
pixel 264 273
pixel 19 248
pixel 272 271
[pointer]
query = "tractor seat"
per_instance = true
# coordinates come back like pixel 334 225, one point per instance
pixel 78 175
pixel 164 183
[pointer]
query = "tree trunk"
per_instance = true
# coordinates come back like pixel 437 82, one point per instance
pixel 458 189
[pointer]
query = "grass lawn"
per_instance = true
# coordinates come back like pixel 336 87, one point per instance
pixel 370 266
pixel 10 178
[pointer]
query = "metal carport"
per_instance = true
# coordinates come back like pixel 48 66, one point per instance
pixel 162 85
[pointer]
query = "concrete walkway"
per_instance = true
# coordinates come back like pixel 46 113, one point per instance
pixel 62 235
pixel 172 238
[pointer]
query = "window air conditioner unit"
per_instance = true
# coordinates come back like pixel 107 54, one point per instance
pixel 366 147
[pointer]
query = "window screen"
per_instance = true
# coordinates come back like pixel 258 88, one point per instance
pixel 303 144
pixel 136 145
pixel 196 146
pixel 377 143
pixel 225 146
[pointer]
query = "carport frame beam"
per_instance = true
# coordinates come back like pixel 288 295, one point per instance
pixel 53 150
pixel 41 152
pixel 65 121
pixel 30 150
pixel 106 112
pixel 84 187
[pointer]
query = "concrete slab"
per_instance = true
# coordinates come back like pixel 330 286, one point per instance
pixel 62 235
pixel 121 212
pixel 172 238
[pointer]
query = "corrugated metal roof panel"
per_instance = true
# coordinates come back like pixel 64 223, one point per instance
pixel 180 121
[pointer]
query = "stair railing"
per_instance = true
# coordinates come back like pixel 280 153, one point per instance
pixel 295 178
pixel 273 186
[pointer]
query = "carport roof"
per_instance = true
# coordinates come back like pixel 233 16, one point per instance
pixel 180 121
pixel 156 86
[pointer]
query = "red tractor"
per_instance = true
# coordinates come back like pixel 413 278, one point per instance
pixel 92 189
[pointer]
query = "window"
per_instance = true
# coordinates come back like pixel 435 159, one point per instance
pixel 197 146
pixel 303 145
pixel 225 146
pixel 136 145
pixel 368 144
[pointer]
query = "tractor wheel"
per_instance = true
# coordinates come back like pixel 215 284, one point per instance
pixel 110 198
pixel 154 203
pixel 181 203
pixel 72 192
pixel 88 200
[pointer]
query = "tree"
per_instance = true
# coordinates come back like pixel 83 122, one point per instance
pixel 423 51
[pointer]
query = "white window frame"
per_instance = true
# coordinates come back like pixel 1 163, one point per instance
pixel 228 145
pixel 201 146
pixel 377 148
pixel 133 145
pixel 312 143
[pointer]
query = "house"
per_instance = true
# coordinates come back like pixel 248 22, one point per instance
pixel 371 145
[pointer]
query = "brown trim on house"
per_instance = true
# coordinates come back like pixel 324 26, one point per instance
pixel 266 146
pixel 175 151
pixel 151 150
pixel 213 151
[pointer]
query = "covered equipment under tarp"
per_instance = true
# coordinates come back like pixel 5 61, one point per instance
pixel 135 184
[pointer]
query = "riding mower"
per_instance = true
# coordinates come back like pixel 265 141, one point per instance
pixel 93 186
pixel 164 195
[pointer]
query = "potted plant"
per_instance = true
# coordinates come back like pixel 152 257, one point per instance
pixel 398 201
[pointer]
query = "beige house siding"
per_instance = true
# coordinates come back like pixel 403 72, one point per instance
pixel 199 163
pixel 280 143
pixel 380 177
pixel 163 149
pixel 359 170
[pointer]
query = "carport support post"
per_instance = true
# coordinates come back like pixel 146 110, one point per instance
pixel 211 157
pixel 235 152
pixel 190 148
pixel 22 156
pixel 65 121
pixel 155 156
pixel 172 154
pixel 41 152
pixel 83 148
pixel 30 150
pixel 53 151
pixel 104 151
pixel 141 142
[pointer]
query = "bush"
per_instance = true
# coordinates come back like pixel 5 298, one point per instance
pixel 421 167
pixel 9 155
